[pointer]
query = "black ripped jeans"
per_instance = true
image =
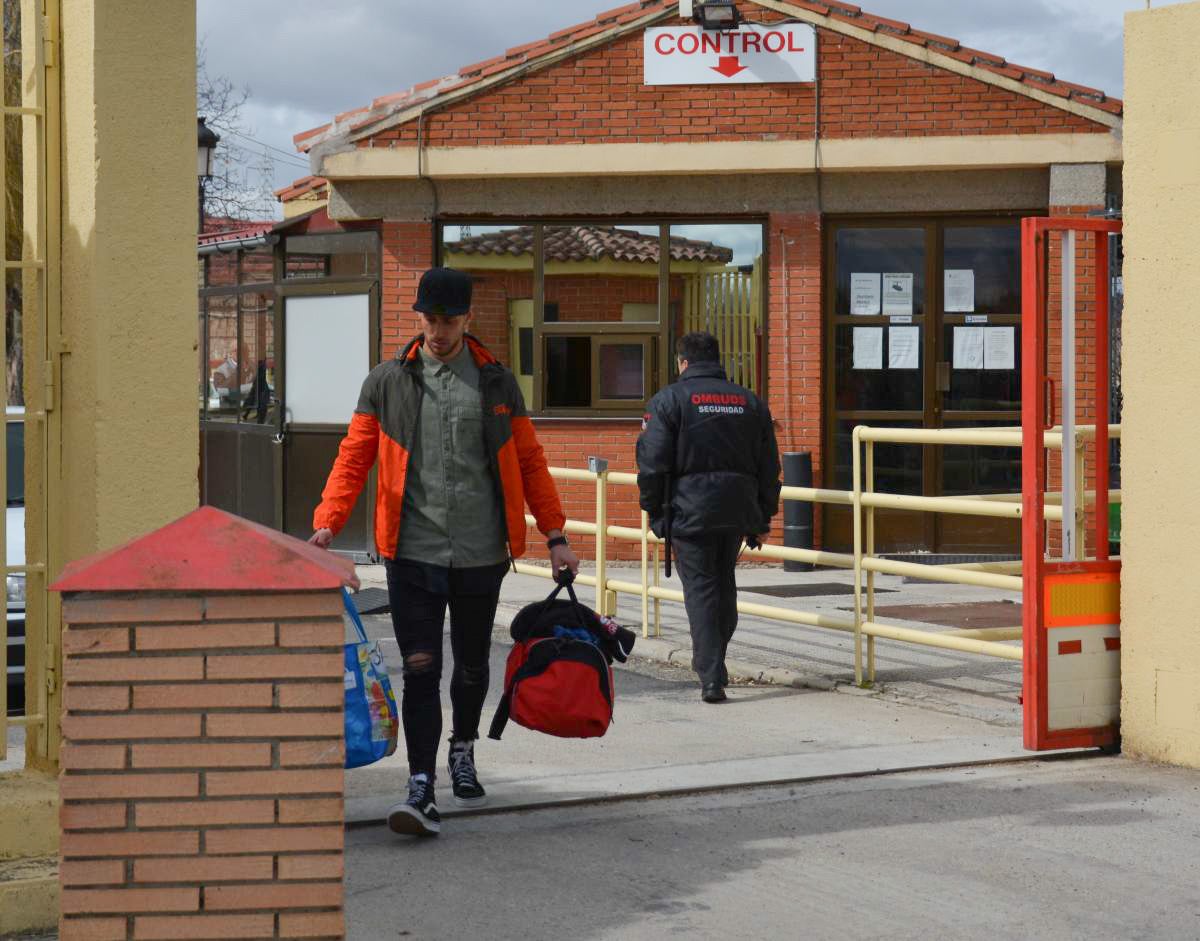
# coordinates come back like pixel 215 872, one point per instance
pixel 419 595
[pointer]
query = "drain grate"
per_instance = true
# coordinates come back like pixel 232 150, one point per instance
pixel 807 590
pixel 372 601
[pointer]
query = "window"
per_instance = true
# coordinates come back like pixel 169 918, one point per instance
pixel 610 308
pixel 331 255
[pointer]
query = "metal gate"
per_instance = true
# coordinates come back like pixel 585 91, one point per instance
pixel 1072 625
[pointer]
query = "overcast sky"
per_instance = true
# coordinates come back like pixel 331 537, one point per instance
pixel 304 61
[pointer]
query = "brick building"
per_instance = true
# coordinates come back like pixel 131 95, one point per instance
pixel 851 235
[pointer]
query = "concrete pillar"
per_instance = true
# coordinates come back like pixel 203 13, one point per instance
pixel 202 780
pixel 1160 647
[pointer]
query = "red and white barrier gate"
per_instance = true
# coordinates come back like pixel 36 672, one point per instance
pixel 1072 627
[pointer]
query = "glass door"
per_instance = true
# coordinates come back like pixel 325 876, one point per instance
pixel 923 332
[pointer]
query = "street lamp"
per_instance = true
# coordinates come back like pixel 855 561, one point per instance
pixel 206 145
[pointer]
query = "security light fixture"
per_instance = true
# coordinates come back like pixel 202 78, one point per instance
pixel 717 14
pixel 206 145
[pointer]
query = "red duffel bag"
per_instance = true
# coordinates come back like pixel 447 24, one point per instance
pixel 555 681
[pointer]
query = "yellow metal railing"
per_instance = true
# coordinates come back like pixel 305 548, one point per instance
pixel 30 174
pixel 864 500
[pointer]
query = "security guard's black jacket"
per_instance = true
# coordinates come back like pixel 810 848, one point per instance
pixel 715 442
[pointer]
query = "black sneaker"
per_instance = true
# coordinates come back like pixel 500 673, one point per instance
pixel 418 815
pixel 468 792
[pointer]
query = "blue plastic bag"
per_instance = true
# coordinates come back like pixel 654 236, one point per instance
pixel 372 724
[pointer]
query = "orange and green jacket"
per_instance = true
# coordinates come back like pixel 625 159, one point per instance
pixel 382 430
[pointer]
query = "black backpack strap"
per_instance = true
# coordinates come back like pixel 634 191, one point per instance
pixel 500 719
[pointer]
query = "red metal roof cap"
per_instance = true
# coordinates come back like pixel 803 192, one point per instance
pixel 210 550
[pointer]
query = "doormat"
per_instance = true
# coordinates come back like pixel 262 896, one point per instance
pixel 973 614
pixel 809 589
pixel 372 601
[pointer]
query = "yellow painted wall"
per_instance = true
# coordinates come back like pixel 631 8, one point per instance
pixel 129 268
pixel 1160 634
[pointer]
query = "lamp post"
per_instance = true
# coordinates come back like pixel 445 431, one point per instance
pixel 206 145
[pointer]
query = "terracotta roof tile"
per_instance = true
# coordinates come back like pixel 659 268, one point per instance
pixel 895 26
pixel 1038 74
pixel 529 53
pixel 589 243
pixel 934 39
pixel 1083 90
pixel 306 184
pixel 235 231
pixel 982 58
pixel 480 66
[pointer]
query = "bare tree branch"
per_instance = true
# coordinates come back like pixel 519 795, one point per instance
pixel 242 186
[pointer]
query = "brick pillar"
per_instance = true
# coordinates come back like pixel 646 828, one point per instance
pixel 793 341
pixel 201 786
pixel 407 253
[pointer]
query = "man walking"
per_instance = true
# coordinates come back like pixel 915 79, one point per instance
pixel 708 467
pixel 458 461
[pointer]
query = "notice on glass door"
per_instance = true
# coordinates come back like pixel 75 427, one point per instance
pixel 904 347
pixel 1000 348
pixel 968 347
pixel 897 294
pixel 960 291
pixel 868 347
pixel 864 294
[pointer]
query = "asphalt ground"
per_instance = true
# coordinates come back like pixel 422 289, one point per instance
pixel 1093 849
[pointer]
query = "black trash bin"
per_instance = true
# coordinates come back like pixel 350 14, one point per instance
pixel 797 514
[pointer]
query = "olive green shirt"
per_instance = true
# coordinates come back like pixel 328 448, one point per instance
pixel 452 513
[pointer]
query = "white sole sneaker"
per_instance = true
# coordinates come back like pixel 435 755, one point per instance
pixel 406 819
pixel 479 801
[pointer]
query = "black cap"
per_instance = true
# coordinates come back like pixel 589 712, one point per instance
pixel 444 291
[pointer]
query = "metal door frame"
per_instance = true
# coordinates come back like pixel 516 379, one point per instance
pixel 325 288
pixel 1098 578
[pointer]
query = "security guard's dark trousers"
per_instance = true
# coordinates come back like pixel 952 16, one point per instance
pixel 706 567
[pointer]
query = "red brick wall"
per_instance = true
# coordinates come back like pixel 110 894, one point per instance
pixel 407 254
pixel 793 340
pixel 866 91
pixel 202 761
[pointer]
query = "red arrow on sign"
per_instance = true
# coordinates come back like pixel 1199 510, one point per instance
pixel 729 67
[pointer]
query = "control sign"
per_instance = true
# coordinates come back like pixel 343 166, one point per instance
pixel 752 54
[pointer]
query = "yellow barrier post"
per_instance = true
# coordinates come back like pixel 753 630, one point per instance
pixel 657 584
pixel 870 552
pixel 856 461
pixel 645 574
pixel 599 466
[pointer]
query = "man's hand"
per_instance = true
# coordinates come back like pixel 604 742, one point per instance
pixel 322 538
pixel 563 557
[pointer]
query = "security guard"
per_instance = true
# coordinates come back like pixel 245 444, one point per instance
pixel 708 475
pixel 458 462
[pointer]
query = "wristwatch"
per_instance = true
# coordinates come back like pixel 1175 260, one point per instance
pixel 556 541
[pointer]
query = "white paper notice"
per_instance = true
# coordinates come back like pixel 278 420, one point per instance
pixel 960 291
pixel 968 347
pixel 868 347
pixel 903 347
pixel 864 294
pixel 897 294
pixel 1000 349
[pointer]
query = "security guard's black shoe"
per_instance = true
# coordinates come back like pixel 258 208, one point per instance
pixel 714 692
